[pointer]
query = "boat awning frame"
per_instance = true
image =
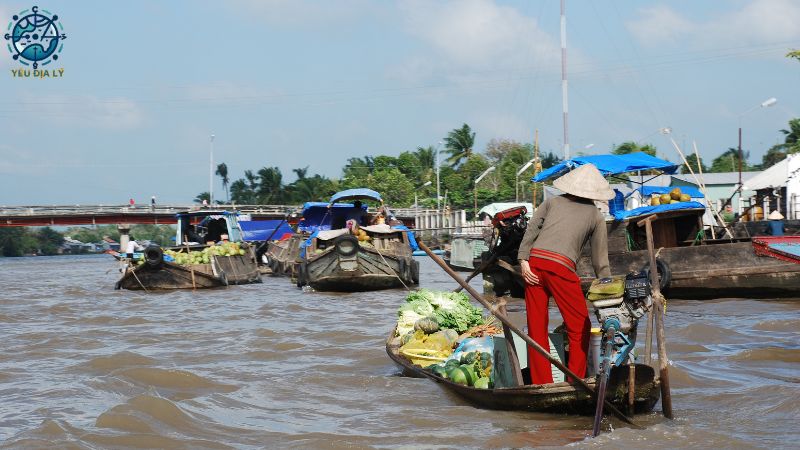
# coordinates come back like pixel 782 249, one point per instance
pixel 609 164
pixel 356 194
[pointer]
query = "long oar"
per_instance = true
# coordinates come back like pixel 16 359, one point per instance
pixel 477 271
pixel 538 348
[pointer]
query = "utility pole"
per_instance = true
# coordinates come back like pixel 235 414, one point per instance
pixel 536 165
pixel 211 173
pixel 438 192
pixel 564 100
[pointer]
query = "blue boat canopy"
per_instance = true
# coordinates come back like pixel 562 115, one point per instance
pixel 261 230
pixel 324 216
pixel 610 165
pixel 355 194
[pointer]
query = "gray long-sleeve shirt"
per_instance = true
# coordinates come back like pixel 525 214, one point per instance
pixel 564 225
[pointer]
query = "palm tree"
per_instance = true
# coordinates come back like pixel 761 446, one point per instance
pixel 633 147
pixel 458 144
pixel 792 140
pixel 222 171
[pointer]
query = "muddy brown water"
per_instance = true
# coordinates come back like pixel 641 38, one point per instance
pixel 269 366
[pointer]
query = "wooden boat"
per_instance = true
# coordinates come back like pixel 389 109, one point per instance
pixel 559 398
pixel 692 265
pixel 337 260
pixel 153 271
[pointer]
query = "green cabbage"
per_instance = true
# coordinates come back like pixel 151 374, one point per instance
pixel 451 310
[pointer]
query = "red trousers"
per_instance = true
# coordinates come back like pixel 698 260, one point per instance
pixel 564 286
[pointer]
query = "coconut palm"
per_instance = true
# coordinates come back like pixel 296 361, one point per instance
pixel 792 140
pixel 222 171
pixel 458 144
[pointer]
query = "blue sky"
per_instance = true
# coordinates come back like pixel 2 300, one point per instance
pixel 295 83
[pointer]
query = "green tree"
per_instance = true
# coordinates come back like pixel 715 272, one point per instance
pixel 632 147
pixel 773 156
pixel 791 141
pixel 695 164
pixel 729 162
pixel 794 54
pixel 49 241
pixel 458 144
pixel 222 171
pixel 202 196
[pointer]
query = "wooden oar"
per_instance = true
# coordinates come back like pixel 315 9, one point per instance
pixel 477 271
pixel 658 306
pixel 538 348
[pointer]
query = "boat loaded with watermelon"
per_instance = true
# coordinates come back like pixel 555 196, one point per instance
pixel 209 252
pixel 443 337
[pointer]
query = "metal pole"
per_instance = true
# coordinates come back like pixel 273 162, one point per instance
pixel 211 173
pixel 564 99
pixel 438 192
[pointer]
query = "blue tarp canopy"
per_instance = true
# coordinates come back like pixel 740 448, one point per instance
pixel 647 210
pixel 691 190
pixel 610 165
pixel 261 230
pixel 354 194
pixel 321 215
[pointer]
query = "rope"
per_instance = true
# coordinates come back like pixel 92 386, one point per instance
pixel 630 242
pixel 660 297
pixel 133 272
pixel 700 235
pixel 390 268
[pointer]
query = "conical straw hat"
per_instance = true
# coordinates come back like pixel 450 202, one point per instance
pixel 775 215
pixel 585 181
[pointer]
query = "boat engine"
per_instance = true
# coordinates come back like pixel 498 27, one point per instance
pixel 619 310
pixel 508 229
pixel 618 304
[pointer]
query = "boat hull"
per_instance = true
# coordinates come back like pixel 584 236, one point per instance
pixel 229 270
pixel 558 398
pixel 704 272
pixel 368 270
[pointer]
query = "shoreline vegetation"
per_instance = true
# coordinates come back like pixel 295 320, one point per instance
pixel 400 180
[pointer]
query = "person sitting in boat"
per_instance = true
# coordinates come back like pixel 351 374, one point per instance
pixel 775 225
pixel 727 215
pixel 552 243
pixel 132 247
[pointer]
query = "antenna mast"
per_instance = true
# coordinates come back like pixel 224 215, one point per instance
pixel 564 102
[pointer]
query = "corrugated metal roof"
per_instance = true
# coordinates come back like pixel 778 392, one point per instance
pixel 716 178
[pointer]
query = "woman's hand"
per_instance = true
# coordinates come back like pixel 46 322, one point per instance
pixel 527 273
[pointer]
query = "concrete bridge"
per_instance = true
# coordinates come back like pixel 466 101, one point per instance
pixel 68 215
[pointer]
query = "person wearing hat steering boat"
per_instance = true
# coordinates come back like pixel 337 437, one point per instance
pixel 553 241
pixel 775 224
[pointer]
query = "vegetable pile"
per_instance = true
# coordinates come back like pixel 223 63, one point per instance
pixel 442 309
pixel 204 257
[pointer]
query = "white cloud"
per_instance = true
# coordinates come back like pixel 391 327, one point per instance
pixel 479 34
pixel 757 22
pixel 89 111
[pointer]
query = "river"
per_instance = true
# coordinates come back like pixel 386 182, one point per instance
pixel 269 366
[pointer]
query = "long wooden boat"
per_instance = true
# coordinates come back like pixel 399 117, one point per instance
pixel 559 398
pixel 338 261
pixel 692 264
pixel 348 255
pixel 155 272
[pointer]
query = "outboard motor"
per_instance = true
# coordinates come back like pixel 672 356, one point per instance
pixel 508 229
pixel 618 304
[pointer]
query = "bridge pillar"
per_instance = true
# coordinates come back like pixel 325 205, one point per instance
pixel 124 236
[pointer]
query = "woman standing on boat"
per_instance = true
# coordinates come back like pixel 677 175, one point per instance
pixel 559 229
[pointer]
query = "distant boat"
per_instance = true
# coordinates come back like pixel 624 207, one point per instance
pixel 360 257
pixel 197 230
